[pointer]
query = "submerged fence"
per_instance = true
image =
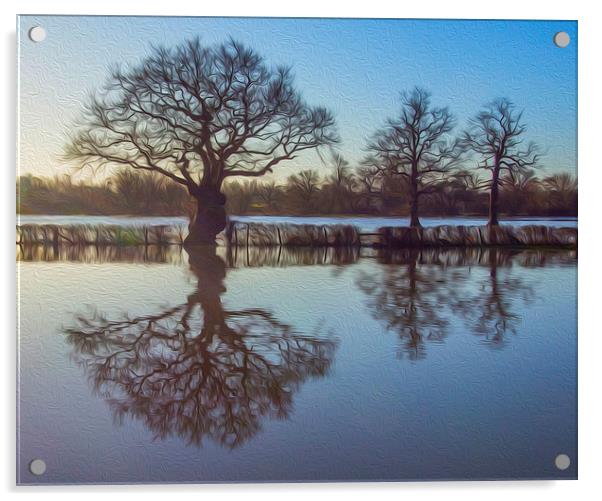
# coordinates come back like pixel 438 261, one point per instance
pixel 239 234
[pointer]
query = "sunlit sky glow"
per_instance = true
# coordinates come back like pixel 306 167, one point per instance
pixel 357 68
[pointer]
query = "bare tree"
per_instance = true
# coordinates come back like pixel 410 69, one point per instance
pixel 341 177
pixel 455 192
pixel 305 186
pixel 198 114
pixel 269 193
pixel 240 195
pixel 496 135
pixel 369 178
pixel 562 191
pixel 339 186
pixel 417 146
pixel 519 192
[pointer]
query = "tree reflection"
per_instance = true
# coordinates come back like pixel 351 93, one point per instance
pixel 408 299
pixel 490 312
pixel 200 370
pixel 418 293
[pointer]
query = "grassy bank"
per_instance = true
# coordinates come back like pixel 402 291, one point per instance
pixel 239 234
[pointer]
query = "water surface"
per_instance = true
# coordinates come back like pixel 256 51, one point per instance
pixel 363 223
pixel 155 365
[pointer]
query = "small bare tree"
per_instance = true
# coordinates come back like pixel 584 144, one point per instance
pixel 339 186
pixel 269 193
pixel 561 192
pixel 304 187
pixel 496 136
pixel 198 114
pixel 417 146
pixel 370 181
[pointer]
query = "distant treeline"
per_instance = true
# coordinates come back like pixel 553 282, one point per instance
pixel 126 192
pixel 341 191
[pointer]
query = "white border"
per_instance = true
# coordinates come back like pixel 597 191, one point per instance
pixel 590 245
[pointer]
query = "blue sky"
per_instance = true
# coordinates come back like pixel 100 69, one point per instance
pixel 356 67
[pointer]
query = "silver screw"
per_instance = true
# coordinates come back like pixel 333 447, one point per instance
pixel 37 467
pixel 37 34
pixel 562 39
pixel 562 461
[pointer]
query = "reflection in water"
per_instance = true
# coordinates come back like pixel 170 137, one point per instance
pixel 491 312
pixel 418 293
pixel 174 254
pixel 291 256
pixel 481 256
pixel 191 364
pixel 200 369
pixel 408 300
pixel 97 254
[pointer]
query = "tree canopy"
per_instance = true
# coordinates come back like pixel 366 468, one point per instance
pixel 416 145
pixel 198 114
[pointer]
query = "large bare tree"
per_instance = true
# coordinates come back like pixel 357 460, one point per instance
pixel 197 115
pixel 417 146
pixel 496 135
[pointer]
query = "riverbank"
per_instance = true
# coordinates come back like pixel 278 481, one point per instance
pixel 247 234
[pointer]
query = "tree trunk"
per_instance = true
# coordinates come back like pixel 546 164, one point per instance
pixel 414 221
pixel 210 271
pixel 209 218
pixel 493 198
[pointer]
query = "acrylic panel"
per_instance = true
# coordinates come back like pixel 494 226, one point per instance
pixel 296 250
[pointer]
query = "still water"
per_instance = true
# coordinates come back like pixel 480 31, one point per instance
pixel 367 224
pixel 155 365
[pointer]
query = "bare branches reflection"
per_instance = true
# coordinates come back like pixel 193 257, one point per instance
pixel 200 369
pixel 491 311
pixel 419 294
pixel 406 298
pixel 234 257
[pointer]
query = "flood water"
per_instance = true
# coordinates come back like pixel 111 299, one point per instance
pixel 156 365
pixel 367 224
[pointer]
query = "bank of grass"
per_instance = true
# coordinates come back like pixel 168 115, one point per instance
pixel 121 236
pixel 238 234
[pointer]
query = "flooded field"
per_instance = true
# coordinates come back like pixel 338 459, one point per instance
pixel 292 364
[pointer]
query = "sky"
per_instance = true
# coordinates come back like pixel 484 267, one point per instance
pixel 355 67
